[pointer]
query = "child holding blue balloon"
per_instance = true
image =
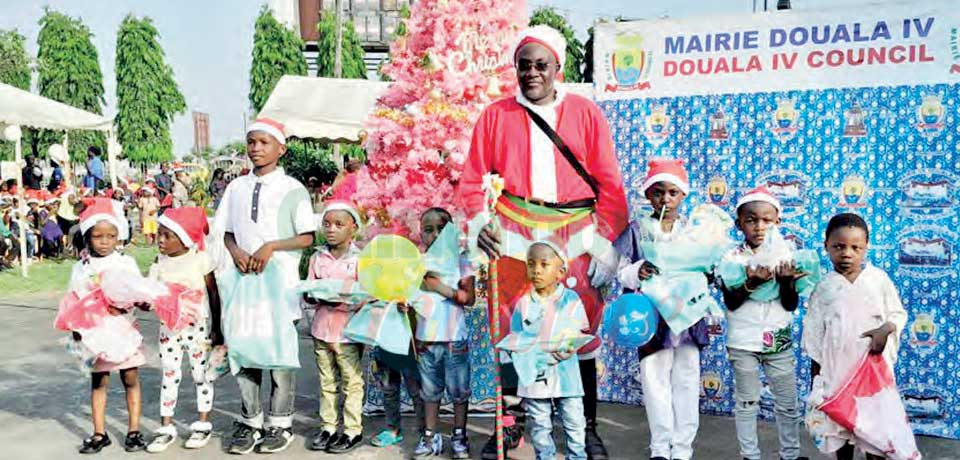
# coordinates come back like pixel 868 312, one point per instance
pixel 669 362
pixel 443 352
pixel 759 330
pixel 336 354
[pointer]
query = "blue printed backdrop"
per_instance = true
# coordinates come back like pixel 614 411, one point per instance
pixel 891 154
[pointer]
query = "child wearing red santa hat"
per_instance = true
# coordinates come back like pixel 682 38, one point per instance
pixel 100 226
pixel 670 362
pixel 182 260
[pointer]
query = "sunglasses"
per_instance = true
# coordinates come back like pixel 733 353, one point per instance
pixel 541 66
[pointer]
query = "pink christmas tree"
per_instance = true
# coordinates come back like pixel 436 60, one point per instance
pixel 452 61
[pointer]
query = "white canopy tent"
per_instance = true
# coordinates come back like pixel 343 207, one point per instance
pixel 335 110
pixel 23 108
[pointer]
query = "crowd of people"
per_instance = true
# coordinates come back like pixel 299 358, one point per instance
pixel 51 224
pixel 571 188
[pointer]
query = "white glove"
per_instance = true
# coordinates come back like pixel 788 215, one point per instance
pixel 603 268
pixel 600 274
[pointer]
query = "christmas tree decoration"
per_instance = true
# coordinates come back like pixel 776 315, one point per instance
pixel 454 59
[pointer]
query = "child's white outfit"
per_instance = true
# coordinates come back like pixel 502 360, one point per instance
pixel 670 363
pixel 189 270
pixel 838 312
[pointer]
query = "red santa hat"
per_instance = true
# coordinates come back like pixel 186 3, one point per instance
pixel 269 126
pixel 189 223
pixel 666 170
pixel 762 195
pixel 98 210
pixel 549 38
pixel 342 205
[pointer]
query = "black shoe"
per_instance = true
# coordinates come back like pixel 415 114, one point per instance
pixel 594 445
pixel 799 458
pixel 659 458
pixel 276 440
pixel 512 439
pixel 134 442
pixel 321 441
pixel 344 443
pixel 244 439
pixel 95 443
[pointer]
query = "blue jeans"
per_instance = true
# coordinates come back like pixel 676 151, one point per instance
pixel 540 424
pixel 780 369
pixel 444 365
pixel 390 380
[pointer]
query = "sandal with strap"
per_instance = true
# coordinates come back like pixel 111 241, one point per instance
pixel 95 443
pixel 134 442
pixel 387 438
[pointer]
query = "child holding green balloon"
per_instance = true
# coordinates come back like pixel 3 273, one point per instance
pixel 337 355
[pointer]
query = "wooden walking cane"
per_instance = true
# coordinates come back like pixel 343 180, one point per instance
pixel 493 187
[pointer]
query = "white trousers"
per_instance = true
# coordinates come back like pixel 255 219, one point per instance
pixel 671 395
pixel 195 341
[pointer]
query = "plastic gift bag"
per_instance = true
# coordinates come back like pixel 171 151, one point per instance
pixel 218 364
pixel 76 313
pixel 869 405
pixel 381 324
pixel 630 321
pixel 114 340
pixel 682 298
pixel 124 288
pixel 179 307
pixel 257 326
pixel 85 358
pixel 334 291
pixel 774 251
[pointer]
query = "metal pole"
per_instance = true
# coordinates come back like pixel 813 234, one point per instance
pixel 765 5
pixel 21 209
pixel 338 72
pixel 68 166
pixel 754 6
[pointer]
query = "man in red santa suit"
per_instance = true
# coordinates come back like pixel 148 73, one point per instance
pixel 576 198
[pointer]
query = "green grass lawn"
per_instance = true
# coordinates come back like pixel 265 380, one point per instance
pixel 50 277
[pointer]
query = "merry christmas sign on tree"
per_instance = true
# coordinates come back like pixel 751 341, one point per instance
pixel 452 60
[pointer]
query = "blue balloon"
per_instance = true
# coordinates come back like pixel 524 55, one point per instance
pixel 630 321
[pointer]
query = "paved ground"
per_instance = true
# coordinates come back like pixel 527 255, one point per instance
pixel 44 406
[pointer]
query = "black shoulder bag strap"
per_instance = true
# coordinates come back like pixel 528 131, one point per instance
pixel 562 146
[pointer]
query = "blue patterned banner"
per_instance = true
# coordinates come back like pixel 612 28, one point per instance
pixel 873 151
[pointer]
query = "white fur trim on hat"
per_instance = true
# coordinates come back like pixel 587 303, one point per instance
pixel 178 230
pixel 342 206
pixel 761 197
pixel 271 127
pixel 547 36
pixel 556 248
pixel 92 221
pixel 665 177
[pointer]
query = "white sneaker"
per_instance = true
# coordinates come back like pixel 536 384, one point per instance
pixel 166 435
pixel 199 436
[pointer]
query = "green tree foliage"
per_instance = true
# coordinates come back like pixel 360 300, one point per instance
pixel 277 51
pixel 69 72
pixel 14 63
pixel 307 158
pixel 549 16
pixel 14 71
pixel 148 97
pixel 353 65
